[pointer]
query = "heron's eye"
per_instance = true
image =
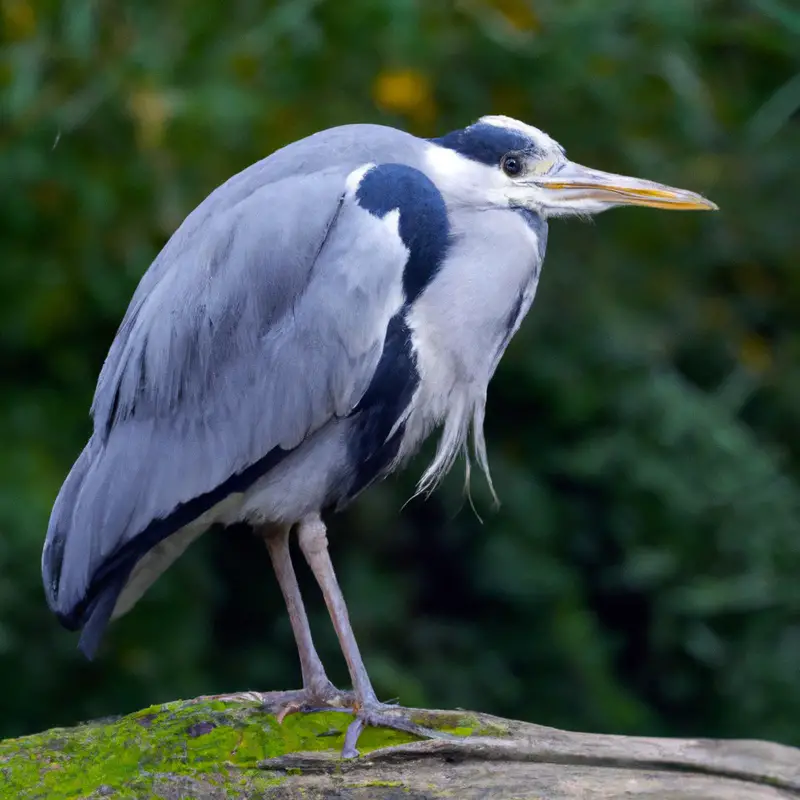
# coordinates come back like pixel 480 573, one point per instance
pixel 511 165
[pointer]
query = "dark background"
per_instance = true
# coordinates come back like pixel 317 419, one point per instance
pixel 643 572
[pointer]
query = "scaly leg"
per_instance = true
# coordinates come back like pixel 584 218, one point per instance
pixel 368 710
pixel 317 690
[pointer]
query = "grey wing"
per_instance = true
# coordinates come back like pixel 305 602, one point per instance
pixel 260 326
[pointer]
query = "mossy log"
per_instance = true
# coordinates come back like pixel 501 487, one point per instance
pixel 209 748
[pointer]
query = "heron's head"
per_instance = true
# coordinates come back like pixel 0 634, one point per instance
pixel 499 161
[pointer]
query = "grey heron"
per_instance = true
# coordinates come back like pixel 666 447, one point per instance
pixel 307 326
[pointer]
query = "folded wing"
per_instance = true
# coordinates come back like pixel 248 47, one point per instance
pixel 251 330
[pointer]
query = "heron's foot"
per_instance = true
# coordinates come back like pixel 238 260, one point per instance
pixel 322 696
pixel 382 715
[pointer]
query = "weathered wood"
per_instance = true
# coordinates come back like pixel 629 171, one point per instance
pixel 207 749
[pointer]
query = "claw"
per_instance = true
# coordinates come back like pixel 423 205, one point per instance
pixel 291 707
pixel 321 698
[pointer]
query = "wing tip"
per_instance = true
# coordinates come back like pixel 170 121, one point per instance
pixel 76 607
pixel 79 601
pixel 52 574
pixel 56 580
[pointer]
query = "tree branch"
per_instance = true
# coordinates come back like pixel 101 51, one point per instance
pixel 209 749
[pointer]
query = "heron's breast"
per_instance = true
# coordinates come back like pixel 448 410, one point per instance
pixel 441 380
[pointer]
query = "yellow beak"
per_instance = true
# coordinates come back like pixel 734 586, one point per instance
pixel 574 185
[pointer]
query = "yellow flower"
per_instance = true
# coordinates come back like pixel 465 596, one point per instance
pixel 19 19
pixel 150 111
pixel 403 92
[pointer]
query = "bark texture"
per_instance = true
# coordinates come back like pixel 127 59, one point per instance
pixel 211 749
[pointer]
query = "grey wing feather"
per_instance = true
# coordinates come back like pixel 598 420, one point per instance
pixel 252 331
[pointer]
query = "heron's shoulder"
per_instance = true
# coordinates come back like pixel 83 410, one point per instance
pixel 316 166
pixel 348 146
pixel 334 150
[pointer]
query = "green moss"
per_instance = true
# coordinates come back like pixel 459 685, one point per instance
pixel 213 743
pixel 459 723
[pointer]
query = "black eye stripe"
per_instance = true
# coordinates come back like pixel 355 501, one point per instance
pixel 489 145
pixel 485 143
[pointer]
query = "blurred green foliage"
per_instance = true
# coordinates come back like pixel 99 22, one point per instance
pixel 642 572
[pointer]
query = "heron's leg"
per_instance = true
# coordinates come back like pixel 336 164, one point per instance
pixel 314 544
pixel 317 689
pixel 369 711
pixel 314 677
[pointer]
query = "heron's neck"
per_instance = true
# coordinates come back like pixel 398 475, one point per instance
pixel 466 316
pixel 463 321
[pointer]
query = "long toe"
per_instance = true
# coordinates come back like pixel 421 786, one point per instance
pixel 322 697
pixel 245 697
pixel 381 715
pixel 306 701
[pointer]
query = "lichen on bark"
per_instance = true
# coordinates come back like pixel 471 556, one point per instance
pixel 222 742
pixel 210 749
